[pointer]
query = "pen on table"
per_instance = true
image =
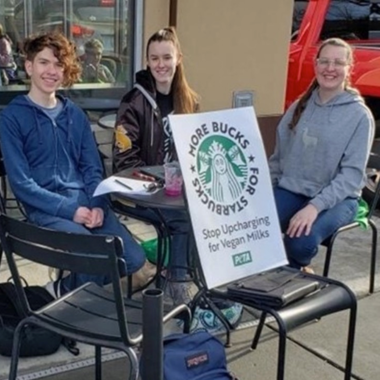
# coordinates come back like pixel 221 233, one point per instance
pixel 143 176
pixel 123 184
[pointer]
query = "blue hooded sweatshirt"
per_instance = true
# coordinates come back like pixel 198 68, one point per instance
pixel 53 166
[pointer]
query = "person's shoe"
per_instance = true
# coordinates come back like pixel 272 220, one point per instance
pixel 143 275
pixel 179 292
pixel 205 319
pixel 54 288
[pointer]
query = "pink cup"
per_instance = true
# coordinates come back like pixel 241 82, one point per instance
pixel 173 179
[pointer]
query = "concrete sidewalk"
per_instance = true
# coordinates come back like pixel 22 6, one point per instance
pixel 315 351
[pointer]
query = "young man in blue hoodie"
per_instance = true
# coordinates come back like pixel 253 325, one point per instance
pixel 51 158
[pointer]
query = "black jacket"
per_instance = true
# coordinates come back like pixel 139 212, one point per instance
pixel 139 131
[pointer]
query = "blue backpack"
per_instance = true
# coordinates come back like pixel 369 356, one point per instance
pixel 195 356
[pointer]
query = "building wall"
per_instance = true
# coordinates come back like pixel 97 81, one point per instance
pixel 231 45
pixel 156 16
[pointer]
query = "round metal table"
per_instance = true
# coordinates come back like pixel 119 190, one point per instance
pixel 107 121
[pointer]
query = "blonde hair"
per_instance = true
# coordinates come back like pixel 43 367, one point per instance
pixel 93 44
pixel 314 84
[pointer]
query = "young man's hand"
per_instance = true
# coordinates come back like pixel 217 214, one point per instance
pixel 302 221
pixel 97 217
pixel 83 215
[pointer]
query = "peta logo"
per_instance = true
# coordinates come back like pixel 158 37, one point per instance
pixel 222 164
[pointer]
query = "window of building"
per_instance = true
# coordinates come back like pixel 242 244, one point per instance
pixel 353 20
pixel 104 27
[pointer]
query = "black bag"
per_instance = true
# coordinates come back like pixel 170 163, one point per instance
pixel 35 340
pixel 275 288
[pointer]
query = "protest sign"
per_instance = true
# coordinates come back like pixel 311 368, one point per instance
pixel 229 193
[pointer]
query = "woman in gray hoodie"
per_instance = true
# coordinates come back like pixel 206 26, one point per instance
pixel 322 147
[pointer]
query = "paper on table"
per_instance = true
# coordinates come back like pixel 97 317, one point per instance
pixel 116 184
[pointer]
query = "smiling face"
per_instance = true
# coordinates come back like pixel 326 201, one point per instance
pixel 162 60
pixel 332 68
pixel 220 164
pixel 46 73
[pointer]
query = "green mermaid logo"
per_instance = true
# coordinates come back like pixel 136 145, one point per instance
pixel 222 169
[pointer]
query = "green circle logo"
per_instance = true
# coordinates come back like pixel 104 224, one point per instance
pixel 222 169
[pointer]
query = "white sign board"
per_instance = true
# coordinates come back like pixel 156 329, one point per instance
pixel 229 193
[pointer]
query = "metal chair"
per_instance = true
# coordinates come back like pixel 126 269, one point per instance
pixel 89 314
pixel 329 243
pixel 8 201
pixel 332 297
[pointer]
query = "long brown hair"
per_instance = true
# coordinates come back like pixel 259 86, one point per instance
pixel 314 84
pixel 185 100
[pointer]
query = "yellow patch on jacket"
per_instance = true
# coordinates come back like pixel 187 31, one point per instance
pixel 122 141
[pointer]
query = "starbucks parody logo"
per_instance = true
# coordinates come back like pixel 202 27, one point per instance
pixel 222 165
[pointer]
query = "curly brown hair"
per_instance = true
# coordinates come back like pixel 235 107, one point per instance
pixel 63 49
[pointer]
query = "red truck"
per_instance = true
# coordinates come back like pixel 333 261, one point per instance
pixel 358 23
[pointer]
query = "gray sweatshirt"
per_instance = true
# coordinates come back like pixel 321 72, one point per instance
pixel 325 155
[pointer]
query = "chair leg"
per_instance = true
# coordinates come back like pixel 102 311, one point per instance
pixel 161 254
pixel 134 364
pixel 350 341
pixel 373 257
pixel 221 318
pixel 326 267
pixel 16 351
pixel 281 349
pixel 260 326
pixel 98 363
pixel 130 288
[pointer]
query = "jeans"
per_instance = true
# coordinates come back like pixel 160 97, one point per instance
pixel 178 224
pixel 133 254
pixel 300 250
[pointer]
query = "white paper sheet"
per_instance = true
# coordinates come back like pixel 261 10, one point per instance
pixel 115 184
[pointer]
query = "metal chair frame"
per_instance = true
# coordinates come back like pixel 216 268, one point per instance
pixel 329 243
pixel 333 297
pixel 89 314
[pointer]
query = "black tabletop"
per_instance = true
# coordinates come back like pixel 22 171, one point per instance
pixel 157 200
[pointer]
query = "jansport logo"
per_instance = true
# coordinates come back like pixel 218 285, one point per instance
pixel 223 168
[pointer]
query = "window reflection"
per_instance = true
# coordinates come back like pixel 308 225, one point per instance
pixel 353 20
pixel 107 22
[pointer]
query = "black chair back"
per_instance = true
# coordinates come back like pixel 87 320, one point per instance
pixel 90 254
pixel 373 205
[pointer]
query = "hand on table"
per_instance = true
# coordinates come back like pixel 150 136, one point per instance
pixel 302 221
